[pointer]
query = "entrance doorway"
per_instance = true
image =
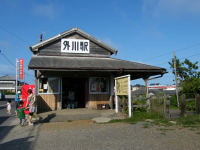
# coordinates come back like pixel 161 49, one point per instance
pixel 74 92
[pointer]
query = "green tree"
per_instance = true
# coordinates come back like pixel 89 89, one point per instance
pixel 188 75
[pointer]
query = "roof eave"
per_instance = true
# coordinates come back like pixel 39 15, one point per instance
pixel 98 69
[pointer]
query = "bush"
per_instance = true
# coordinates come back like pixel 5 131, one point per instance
pixel 9 93
pixel 139 102
pixel 190 106
pixel 123 103
pixel 173 102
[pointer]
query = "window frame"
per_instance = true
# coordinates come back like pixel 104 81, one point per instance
pixel 50 78
pixel 107 84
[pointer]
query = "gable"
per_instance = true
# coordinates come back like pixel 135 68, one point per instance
pixel 52 46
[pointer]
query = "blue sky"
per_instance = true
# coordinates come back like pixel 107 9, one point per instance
pixel 145 31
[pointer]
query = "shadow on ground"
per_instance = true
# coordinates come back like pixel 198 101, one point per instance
pixel 48 118
pixel 21 143
pixel 3 118
pixel 4 130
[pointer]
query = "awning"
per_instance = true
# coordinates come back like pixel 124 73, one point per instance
pixel 92 64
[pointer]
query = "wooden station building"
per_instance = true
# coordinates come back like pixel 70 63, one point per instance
pixel 75 70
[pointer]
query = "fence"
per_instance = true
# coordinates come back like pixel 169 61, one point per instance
pixel 160 104
pixel 185 99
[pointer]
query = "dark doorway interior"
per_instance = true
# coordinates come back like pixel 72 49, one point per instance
pixel 73 90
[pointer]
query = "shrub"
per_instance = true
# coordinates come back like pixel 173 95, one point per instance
pixel 173 102
pixel 190 106
pixel 139 102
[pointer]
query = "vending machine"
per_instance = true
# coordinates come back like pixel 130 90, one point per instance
pixel 25 89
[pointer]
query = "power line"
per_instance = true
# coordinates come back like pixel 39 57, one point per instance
pixel 164 54
pixel 17 37
pixel 9 61
pixel 181 58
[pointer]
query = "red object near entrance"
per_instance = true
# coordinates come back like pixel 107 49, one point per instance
pixel 25 94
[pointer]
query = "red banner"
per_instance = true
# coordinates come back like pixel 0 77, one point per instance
pixel 21 68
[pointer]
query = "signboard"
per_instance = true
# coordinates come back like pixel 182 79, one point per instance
pixel 21 68
pixel 75 46
pixel 122 86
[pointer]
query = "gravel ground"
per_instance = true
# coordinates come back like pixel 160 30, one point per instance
pixel 64 131
pixel 87 135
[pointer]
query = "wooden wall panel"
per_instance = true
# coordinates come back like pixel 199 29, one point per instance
pixel 55 48
pixel 48 102
pixel 95 99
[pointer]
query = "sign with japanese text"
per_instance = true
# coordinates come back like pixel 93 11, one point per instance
pixel 122 86
pixel 75 46
pixel 21 68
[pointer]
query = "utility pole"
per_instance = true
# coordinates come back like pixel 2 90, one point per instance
pixel 146 85
pixel 24 77
pixel 16 77
pixel 177 97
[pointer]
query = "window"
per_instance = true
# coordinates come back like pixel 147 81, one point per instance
pixel 49 85
pixel 43 86
pixel 53 85
pixel 98 85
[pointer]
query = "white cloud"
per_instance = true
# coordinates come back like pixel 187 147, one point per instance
pixel 171 8
pixel 49 10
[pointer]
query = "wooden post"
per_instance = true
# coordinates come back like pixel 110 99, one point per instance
pixel 148 104
pixel 177 96
pixel 198 104
pixel 183 105
pixel 129 97
pixel 167 106
pixel 146 85
pixel 164 104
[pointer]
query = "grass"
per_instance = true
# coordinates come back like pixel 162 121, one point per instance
pixel 188 121
pixel 146 125
pixel 142 116
pixel 198 133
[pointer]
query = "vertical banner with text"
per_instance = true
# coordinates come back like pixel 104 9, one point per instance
pixel 21 68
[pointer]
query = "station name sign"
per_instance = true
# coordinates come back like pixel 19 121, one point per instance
pixel 75 46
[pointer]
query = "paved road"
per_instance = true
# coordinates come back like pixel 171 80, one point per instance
pixel 3 112
pixel 86 135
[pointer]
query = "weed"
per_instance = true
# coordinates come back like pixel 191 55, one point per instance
pixel 165 129
pixel 142 116
pixel 198 133
pixel 189 121
pixel 146 125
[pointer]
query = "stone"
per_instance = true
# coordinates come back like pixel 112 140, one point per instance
pixel 149 120
pixel 101 119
